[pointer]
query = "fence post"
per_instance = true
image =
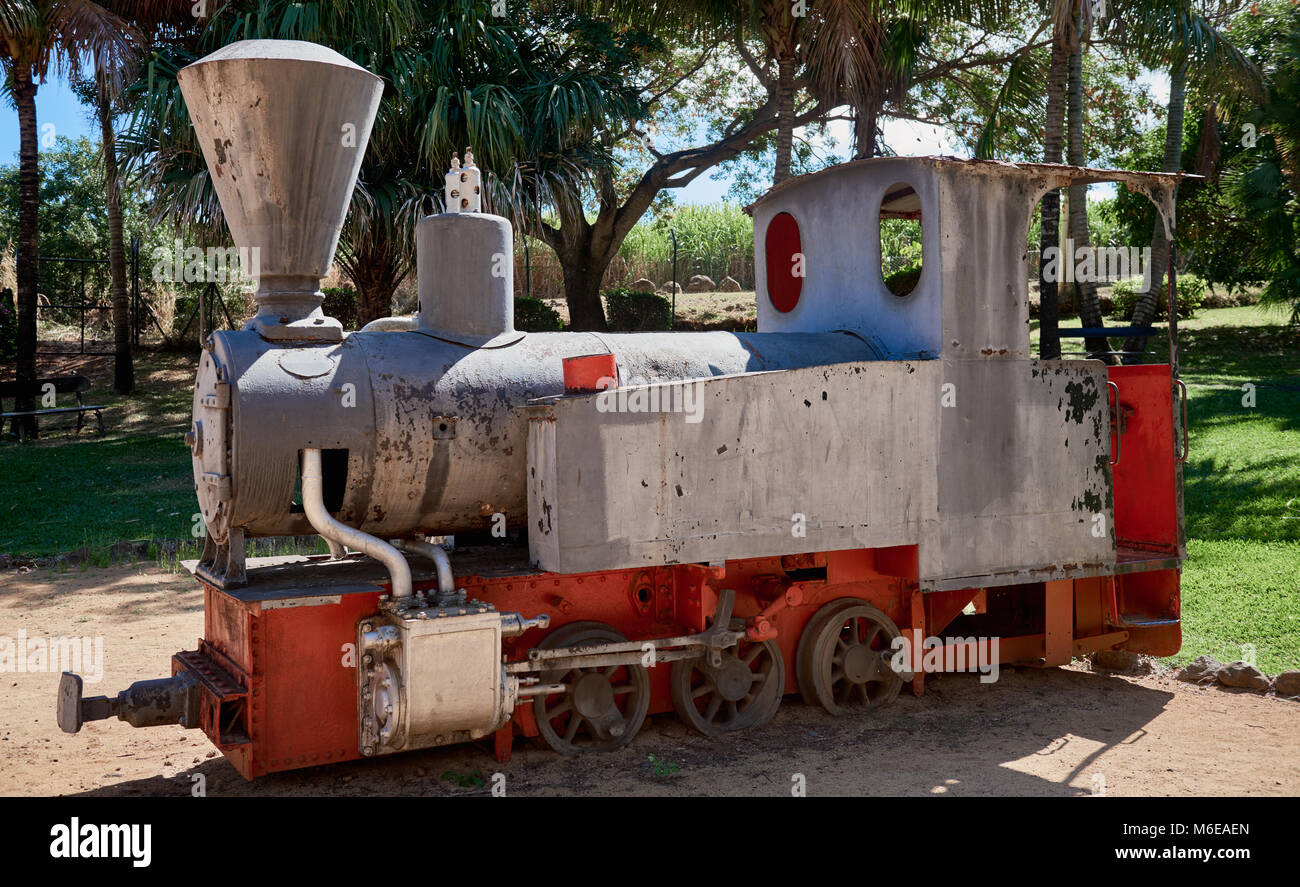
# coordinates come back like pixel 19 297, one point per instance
pixel 672 319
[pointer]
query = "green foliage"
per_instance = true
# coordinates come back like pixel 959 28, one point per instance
pixel 900 283
pixel 526 90
pixel 632 311
pixel 1214 239
pixel 471 779
pixel 715 239
pixel 535 316
pixel 73 221
pixel 341 304
pixel 900 244
pixel 1267 185
pixel 1243 228
pixel 8 328
pixel 662 768
pixel 1191 293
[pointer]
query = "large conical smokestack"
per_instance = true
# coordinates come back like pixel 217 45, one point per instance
pixel 283 125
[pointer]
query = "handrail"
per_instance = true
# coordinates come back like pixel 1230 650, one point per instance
pixel 1119 444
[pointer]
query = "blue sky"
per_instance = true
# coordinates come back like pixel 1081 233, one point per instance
pixel 55 104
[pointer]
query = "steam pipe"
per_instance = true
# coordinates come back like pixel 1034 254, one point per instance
pixel 313 503
pixel 435 553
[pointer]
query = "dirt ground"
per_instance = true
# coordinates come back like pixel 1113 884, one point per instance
pixel 1065 731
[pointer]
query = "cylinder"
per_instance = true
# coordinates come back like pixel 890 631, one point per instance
pixel 465 275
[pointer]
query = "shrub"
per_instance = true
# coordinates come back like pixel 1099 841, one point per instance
pixel 8 328
pixel 902 282
pixel 535 316
pixel 1191 293
pixel 341 304
pixel 632 311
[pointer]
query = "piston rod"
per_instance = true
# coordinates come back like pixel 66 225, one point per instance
pixel 313 505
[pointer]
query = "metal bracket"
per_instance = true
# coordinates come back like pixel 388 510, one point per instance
pixel 222 565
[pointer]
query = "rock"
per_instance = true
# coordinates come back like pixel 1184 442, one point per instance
pixel 1239 674
pixel 1199 670
pixel 1287 683
pixel 644 285
pixel 729 285
pixel 670 286
pixel 1118 660
pixel 700 283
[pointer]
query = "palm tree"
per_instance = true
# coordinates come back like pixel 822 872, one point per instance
pixel 1085 290
pixel 374 249
pixel 123 369
pixel 110 75
pixel 517 89
pixel 1049 306
pixel 862 55
pixel 1187 43
pixel 781 34
pixel 37 36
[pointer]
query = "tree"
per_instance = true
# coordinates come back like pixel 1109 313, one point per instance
pixel 1265 188
pixel 35 37
pixel 1085 290
pixel 1049 304
pixel 110 74
pixel 525 91
pixel 1176 36
pixel 592 219
pixel 123 370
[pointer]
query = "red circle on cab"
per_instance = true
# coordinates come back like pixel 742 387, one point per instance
pixel 783 251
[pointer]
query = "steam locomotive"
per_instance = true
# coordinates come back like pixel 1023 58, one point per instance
pixel 698 522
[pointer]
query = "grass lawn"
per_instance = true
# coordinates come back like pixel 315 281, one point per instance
pixel 1241 581
pixel 71 491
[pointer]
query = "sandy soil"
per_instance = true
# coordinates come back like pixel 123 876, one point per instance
pixel 1062 731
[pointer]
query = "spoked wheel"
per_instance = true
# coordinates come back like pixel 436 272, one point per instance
pixel 803 668
pixel 849 663
pixel 744 691
pixel 602 708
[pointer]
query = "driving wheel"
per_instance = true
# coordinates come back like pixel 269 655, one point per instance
pixel 849 663
pixel 744 691
pixel 602 707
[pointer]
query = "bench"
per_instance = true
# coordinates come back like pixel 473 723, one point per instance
pixel 40 388
pixel 1108 332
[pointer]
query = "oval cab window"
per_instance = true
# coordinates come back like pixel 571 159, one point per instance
pixel 900 239
pixel 785 262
